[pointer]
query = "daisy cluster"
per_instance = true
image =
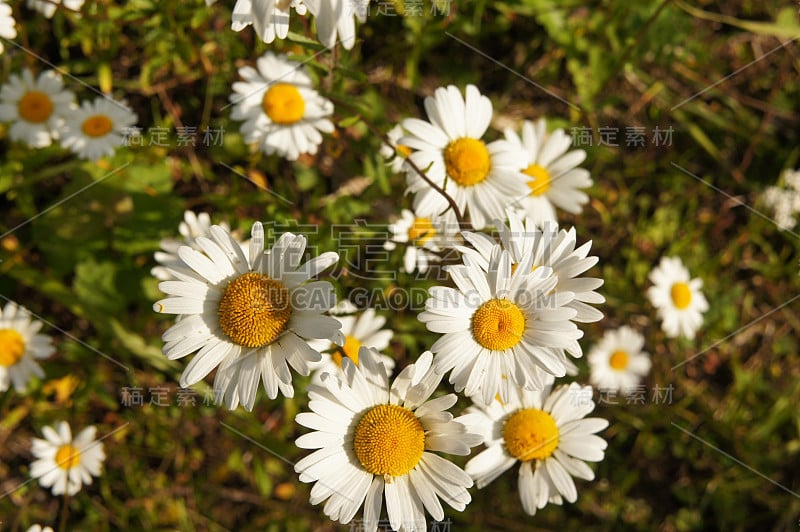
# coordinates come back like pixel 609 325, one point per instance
pixel 47 8
pixel 41 111
pixel 494 385
pixel 62 463
pixel 509 324
pixel 335 20
pixel 481 178
pixel 466 176
pixel 257 314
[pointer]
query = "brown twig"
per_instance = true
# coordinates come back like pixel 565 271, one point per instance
pixel 197 168
pixel 385 139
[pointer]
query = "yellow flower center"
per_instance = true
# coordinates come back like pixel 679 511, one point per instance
pixel 530 434
pixel 421 231
pixel 12 347
pixel 498 324
pixel 35 107
pixel 254 310
pixel 467 161
pixel 403 150
pixel 681 295
pixel 97 126
pixel 618 360
pixel 389 440
pixel 541 179
pixel 67 457
pixel 283 103
pixel 350 348
pixel 514 267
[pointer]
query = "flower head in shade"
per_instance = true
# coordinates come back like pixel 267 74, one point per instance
pixel 678 300
pixel 96 129
pixel 396 153
pixel 36 107
pixel 617 362
pixel 336 20
pixel 48 7
pixel 359 329
pixel 500 327
pixel 250 316
pixel 66 463
pixel 553 178
pixel 270 18
pixel 8 28
pixel 785 202
pixel 547 433
pixel 482 178
pixel 20 346
pixel 374 441
pixel 424 238
pixel 282 112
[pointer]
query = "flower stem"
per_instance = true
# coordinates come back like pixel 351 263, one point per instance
pixel 62 520
pixel 459 216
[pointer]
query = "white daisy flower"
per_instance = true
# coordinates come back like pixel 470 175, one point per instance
pixel 377 441
pixel 281 110
pixel 250 316
pixel 66 463
pixel 552 175
pixel 547 433
pixel 552 248
pixel 481 178
pixel 423 237
pixel 35 106
pixel 39 528
pixel 364 329
pixel 8 28
pixel 792 178
pixel 96 129
pixel 784 205
pixel 335 19
pixel 20 347
pixel 617 362
pixel 192 227
pixel 549 247
pixel 784 202
pixel 677 298
pixel 500 327
pixel 48 7
pixel 270 18
pixel 396 153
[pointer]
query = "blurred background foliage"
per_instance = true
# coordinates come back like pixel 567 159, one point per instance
pixel 78 239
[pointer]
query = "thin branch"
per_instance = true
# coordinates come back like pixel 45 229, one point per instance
pixel 385 139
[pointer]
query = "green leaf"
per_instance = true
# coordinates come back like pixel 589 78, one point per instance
pixel 306 177
pixel 786 24
pixel 305 41
pixel 262 480
pixel 349 121
pixel 134 343
pixel 94 286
